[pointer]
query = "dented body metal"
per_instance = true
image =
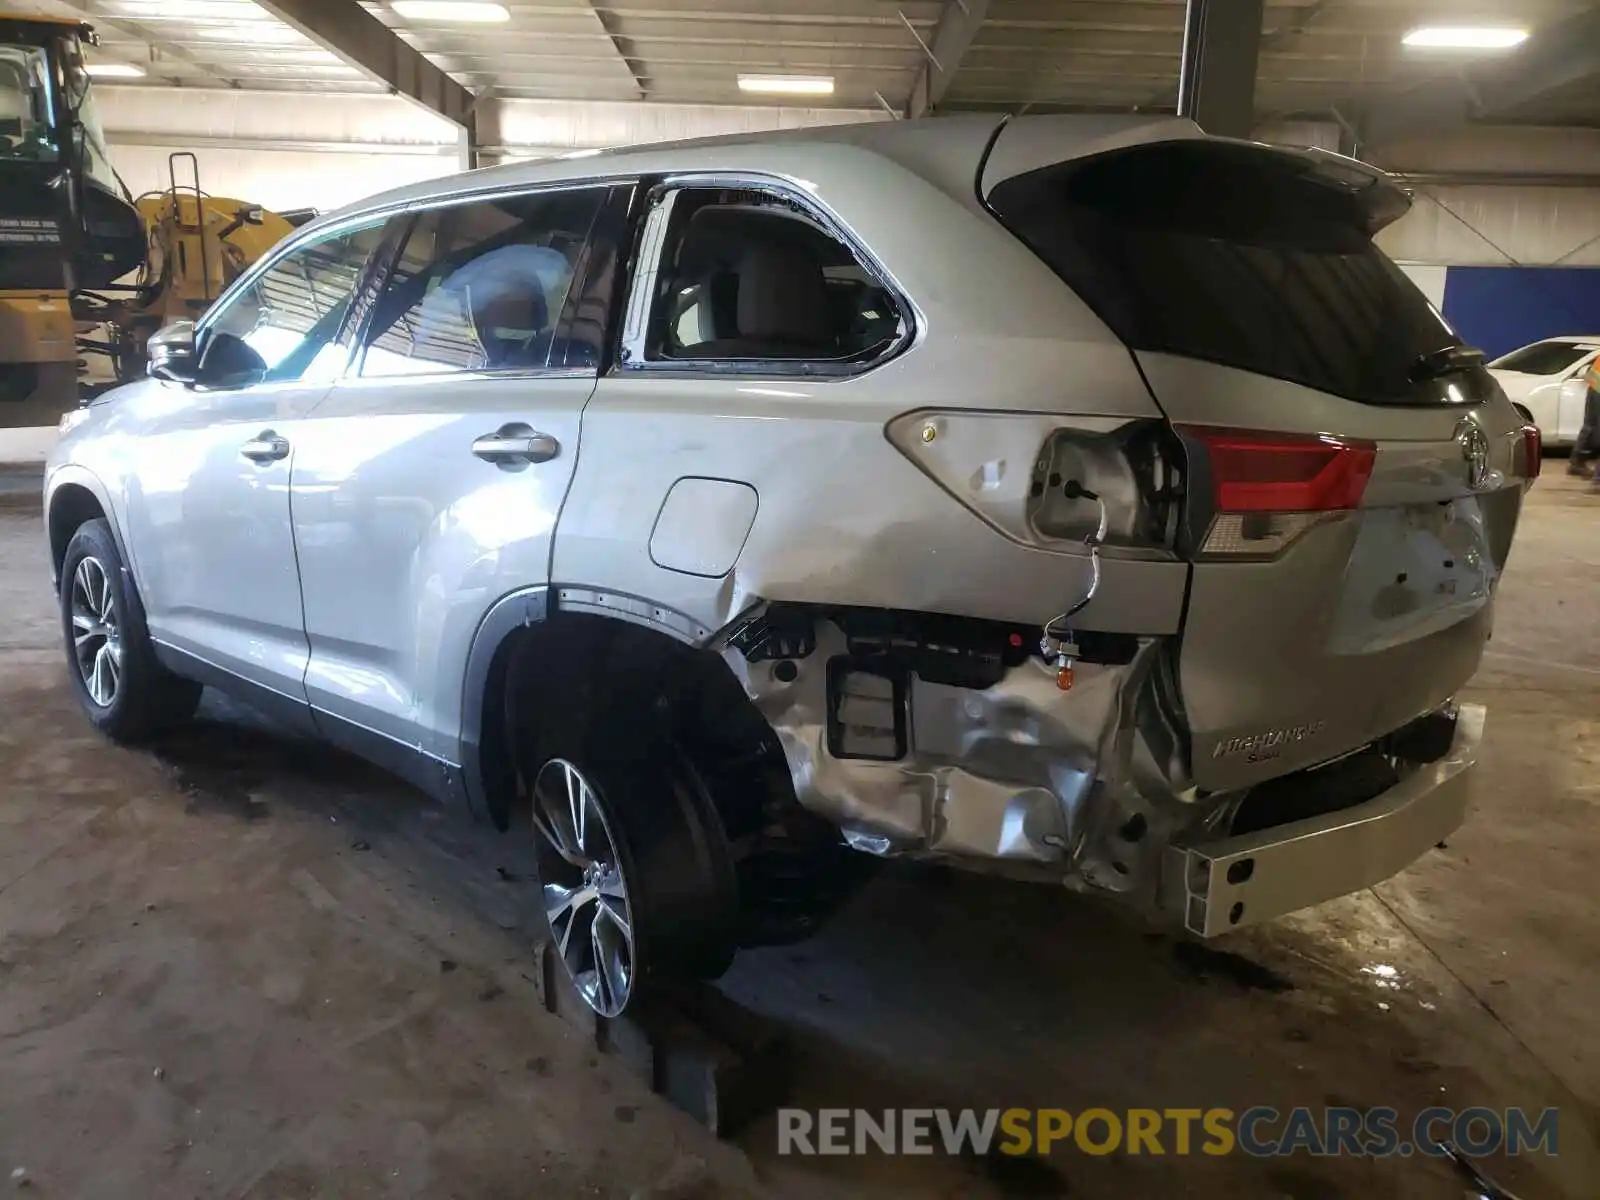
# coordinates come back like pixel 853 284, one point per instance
pixel 1084 787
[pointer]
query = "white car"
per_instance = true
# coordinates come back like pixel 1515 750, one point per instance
pixel 1533 379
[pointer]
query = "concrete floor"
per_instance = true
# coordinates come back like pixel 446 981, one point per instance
pixel 243 966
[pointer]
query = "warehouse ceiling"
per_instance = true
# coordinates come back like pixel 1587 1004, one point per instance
pixel 1003 54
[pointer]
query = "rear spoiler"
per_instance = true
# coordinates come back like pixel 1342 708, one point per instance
pixel 1023 144
pixel 1381 197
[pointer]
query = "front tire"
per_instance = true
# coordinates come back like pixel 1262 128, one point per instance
pixel 120 684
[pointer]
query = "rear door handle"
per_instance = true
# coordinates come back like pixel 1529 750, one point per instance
pixel 516 444
pixel 266 447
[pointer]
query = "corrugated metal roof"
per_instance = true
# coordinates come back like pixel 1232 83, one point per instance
pixel 1115 54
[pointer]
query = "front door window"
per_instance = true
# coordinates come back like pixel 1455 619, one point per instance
pixel 294 314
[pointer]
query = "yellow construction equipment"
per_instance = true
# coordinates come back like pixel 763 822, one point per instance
pixel 84 267
pixel 195 246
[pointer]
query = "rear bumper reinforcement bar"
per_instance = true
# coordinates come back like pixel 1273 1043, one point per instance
pixel 1229 883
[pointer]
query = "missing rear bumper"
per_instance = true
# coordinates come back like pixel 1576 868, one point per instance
pixel 1228 883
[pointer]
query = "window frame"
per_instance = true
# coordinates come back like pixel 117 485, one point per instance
pixel 582 278
pixel 651 243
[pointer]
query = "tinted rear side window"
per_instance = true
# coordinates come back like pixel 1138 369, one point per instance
pixel 1235 255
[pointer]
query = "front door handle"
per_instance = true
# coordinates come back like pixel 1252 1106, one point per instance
pixel 266 447
pixel 516 445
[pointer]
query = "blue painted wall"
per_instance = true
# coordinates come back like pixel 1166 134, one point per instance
pixel 1501 308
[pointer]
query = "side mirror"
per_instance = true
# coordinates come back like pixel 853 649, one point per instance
pixel 227 361
pixel 170 353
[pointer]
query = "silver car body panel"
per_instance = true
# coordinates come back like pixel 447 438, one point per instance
pixel 360 575
pixel 209 529
pixel 1401 589
pixel 406 539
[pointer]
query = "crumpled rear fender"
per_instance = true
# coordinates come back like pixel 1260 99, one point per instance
pixel 1081 786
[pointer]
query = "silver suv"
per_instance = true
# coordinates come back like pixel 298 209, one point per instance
pixel 1076 498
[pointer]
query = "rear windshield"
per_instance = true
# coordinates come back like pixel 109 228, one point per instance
pixel 1542 358
pixel 1235 255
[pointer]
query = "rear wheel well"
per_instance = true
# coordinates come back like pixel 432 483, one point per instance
pixel 1523 412
pixel 70 506
pixel 606 677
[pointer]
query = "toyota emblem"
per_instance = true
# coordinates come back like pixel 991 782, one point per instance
pixel 1474 445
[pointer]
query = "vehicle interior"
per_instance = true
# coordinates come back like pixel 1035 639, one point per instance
pixel 475 288
pixel 754 279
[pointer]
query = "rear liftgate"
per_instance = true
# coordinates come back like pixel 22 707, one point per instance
pixel 1354 479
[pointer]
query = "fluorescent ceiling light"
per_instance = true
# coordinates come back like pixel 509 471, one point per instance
pixel 465 11
pixel 1466 37
pixel 788 85
pixel 114 71
pixel 213 11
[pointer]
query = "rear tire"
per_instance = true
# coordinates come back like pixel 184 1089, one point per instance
pixel 647 893
pixel 120 684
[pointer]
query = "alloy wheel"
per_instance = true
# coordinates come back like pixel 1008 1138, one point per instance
pixel 585 893
pixel 96 639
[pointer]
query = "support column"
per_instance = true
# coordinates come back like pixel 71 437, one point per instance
pixel 1221 52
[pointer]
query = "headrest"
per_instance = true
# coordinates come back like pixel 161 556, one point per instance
pixel 508 286
pixel 782 295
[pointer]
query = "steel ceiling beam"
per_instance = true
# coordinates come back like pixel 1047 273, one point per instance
pixel 952 38
pixel 366 43
pixel 1221 56
pixel 1555 57
pixel 624 48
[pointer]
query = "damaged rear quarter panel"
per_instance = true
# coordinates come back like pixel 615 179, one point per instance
pixel 1015 775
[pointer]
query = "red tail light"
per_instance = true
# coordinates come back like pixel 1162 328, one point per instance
pixel 1532 452
pixel 1254 472
pixel 1270 489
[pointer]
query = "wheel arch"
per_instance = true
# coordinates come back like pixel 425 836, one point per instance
pixel 488 774
pixel 554 629
pixel 75 496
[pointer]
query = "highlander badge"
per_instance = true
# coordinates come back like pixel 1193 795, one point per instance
pixel 1268 744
